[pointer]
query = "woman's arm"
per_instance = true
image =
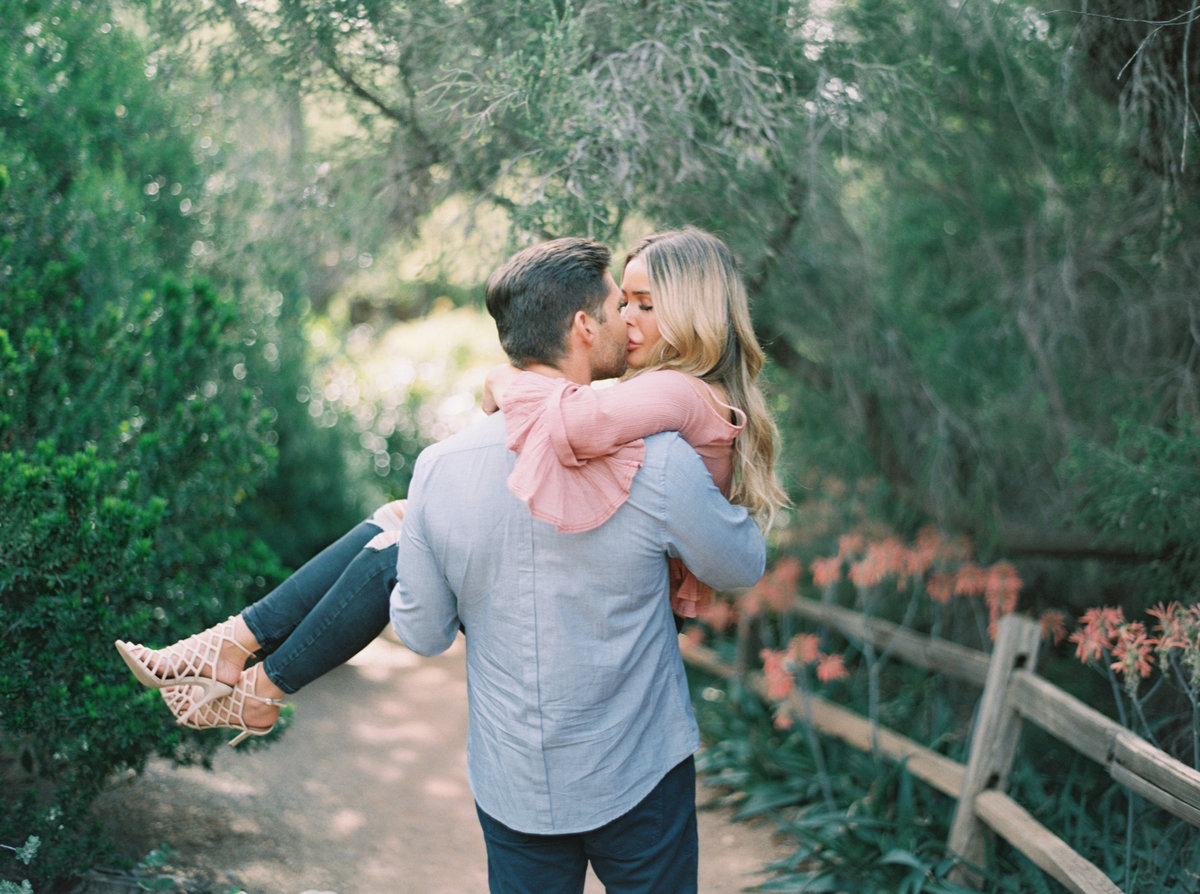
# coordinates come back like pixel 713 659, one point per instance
pixel 498 378
pixel 595 421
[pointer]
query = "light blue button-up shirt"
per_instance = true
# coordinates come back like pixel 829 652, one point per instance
pixel 577 695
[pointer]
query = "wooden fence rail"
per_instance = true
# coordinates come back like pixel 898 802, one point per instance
pixel 1012 694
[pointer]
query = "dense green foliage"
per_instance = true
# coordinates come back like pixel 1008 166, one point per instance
pixel 969 228
pixel 970 231
pixel 1145 490
pixel 133 426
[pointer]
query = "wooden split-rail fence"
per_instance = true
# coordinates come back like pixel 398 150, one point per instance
pixel 1012 694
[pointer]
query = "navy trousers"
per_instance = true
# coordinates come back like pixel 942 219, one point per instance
pixel 652 849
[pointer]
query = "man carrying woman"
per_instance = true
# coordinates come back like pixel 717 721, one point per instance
pixel 555 564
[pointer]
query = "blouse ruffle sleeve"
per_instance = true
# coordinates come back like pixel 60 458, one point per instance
pixel 578 449
pixel 688 593
pixel 571 493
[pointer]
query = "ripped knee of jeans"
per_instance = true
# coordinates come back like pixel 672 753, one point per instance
pixel 390 516
pixel 383 540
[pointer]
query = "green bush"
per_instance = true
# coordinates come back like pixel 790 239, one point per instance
pixel 125 457
pixel 1144 492
pixel 131 439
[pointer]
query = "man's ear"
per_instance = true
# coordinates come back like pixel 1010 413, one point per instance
pixel 585 327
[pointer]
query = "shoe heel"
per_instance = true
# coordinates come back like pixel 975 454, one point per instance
pixel 244 734
pixel 211 691
pixel 222 708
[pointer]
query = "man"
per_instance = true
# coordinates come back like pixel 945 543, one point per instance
pixel 581 729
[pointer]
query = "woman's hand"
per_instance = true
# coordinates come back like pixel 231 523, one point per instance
pixel 498 378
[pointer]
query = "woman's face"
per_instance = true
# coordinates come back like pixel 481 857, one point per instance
pixel 637 309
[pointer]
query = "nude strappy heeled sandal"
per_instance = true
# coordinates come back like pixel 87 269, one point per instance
pixel 221 713
pixel 189 662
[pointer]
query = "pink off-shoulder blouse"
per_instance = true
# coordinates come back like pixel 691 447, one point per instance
pixel 578 449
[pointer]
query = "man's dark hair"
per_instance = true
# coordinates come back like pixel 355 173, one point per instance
pixel 533 297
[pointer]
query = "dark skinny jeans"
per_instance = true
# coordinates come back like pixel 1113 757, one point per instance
pixel 327 611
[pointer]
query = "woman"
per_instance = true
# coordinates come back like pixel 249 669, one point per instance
pixel 696 361
pixel 695 365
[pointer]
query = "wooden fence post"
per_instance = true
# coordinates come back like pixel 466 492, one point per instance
pixel 993 741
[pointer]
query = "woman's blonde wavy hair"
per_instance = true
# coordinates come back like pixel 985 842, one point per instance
pixel 703 316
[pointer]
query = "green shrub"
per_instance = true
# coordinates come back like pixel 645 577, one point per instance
pixel 126 454
pixel 130 439
pixel 1144 491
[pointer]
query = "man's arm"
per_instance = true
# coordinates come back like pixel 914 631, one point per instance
pixel 719 542
pixel 424 610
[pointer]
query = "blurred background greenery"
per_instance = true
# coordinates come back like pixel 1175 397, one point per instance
pixel 242 248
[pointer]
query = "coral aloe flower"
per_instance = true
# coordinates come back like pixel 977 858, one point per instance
pixel 779 676
pixel 718 614
pixel 849 545
pixel 826 572
pixel 805 648
pixel 925 552
pixel 1002 587
pixel 1132 651
pixel 1053 624
pixel 1107 620
pixel 971 580
pixel 867 572
pixel 830 668
pixel 1096 635
pixel 940 587
pixel 787 572
pixel 1172 627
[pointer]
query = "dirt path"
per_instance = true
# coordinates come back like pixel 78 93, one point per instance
pixel 366 794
